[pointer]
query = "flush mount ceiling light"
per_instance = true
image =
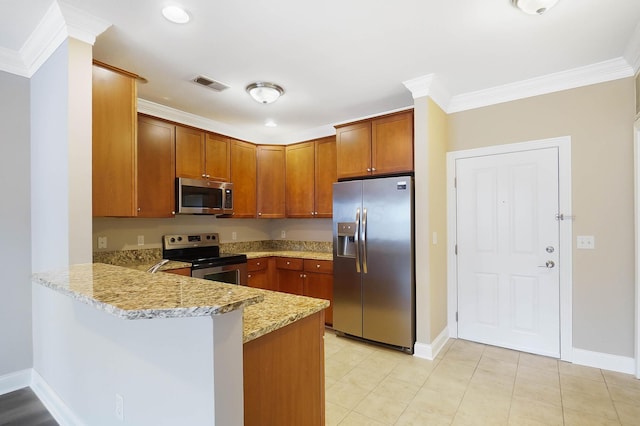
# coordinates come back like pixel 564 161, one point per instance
pixel 265 93
pixel 534 7
pixel 176 14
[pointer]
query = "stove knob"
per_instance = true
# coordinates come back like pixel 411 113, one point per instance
pixel 179 238
pixel 173 240
pixel 208 237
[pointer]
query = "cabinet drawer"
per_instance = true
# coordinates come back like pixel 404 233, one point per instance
pixel 289 263
pixel 257 264
pixel 320 266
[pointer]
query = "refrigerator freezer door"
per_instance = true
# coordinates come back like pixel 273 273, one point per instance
pixel 388 312
pixel 347 296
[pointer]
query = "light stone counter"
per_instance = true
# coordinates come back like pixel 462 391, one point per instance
pixel 129 293
pixel 132 294
pixel 277 310
pixel 313 255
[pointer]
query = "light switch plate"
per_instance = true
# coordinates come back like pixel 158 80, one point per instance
pixel 586 242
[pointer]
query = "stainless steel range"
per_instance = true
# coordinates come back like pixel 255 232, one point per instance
pixel 203 252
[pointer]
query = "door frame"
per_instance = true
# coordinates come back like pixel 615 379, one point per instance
pixel 636 193
pixel 563 144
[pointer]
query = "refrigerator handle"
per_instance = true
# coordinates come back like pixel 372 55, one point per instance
pixel 364 240
pixel 356 238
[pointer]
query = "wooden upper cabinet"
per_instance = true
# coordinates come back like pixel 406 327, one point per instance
pixel 378 146
pixel 310 174
pixel 190 155
pixel 392 144
pixel 271 182
pixel 353 145
pixel 114 141
pixel 300 179
pixel 217 157
pixel 156 168
pixel 243 177
pixel 326 175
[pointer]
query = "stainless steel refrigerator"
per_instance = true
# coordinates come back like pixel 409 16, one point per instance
pixel 373 260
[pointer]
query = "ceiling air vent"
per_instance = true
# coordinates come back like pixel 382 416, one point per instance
pixel 211 84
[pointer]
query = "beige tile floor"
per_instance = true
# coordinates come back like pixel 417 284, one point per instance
pixel 470 384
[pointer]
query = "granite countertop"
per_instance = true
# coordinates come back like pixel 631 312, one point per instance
pixel 131 294
pixel 313 255
pixel 277 310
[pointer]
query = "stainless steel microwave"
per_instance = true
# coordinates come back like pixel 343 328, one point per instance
pixel 199 196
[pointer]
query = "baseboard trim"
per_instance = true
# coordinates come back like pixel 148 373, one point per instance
pixel 430 352
pixel 14 381
pixel 621 364
pixel 58 409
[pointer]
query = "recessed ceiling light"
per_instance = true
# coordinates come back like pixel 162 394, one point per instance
pixel 270 123
pixel 176 14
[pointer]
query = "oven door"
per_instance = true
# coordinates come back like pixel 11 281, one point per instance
pixel 232 274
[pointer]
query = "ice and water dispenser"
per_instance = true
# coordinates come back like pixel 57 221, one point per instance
pixel 347 243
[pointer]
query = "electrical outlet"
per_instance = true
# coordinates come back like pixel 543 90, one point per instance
pixel 585 242
pixel 119 407
pixel 102 242
pixel 140 240
pixel 283 234
pixel 234 236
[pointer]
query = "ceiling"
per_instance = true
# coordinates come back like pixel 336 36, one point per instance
pixel 337 60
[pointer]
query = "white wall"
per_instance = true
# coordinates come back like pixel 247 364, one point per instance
pixel 15 229
pixel 50 163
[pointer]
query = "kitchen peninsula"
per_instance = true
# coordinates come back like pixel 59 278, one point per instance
pixel 169 349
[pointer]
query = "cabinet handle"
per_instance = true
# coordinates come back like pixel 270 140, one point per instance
pixel 249 276
pixel 316 213
pixel 301 275
pixel 208 176
pixel 288 263
pixel 139 209
pixel 173 212
pixel 203 175
pixel 368 169
pixel 317 266
pixel 373 169
pixel 259 213
pixel 304 275
pixel 258 263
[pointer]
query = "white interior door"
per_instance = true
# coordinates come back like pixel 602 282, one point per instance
pixel 508 250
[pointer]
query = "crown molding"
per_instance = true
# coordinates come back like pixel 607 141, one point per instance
pixel 601 72
pixel 60 21
pixel 429 85
pixel 632 51
pixel 189 119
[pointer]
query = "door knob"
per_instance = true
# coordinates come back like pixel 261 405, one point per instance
pixel 548 264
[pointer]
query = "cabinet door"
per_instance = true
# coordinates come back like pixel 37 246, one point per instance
pixel 114 142
pixel 300 179
pixel 290 281
pixel 320 286
pixel 217 155
pixel 243 177
pixel 353 147
pixel 189 153
pixel 271 169
pixel 259 279
pixel 156 168
pixel 325 176
pixel 392 144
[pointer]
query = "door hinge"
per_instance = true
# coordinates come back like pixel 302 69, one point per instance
pixel 455 182
pixel 561 216
pixel 456 316
pixel 455 249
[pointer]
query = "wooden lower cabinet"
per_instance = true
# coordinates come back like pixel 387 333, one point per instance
pixel 261 273
pixel 318 283
pixel 180 271
pixel 284 375
pixel 290 276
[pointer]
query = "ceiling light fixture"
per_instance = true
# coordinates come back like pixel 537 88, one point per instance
pixel 176 14
pixel 265 93
pixel 270 123
pixel 534 7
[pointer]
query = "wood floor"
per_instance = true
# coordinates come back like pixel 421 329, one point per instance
pixel 22 408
